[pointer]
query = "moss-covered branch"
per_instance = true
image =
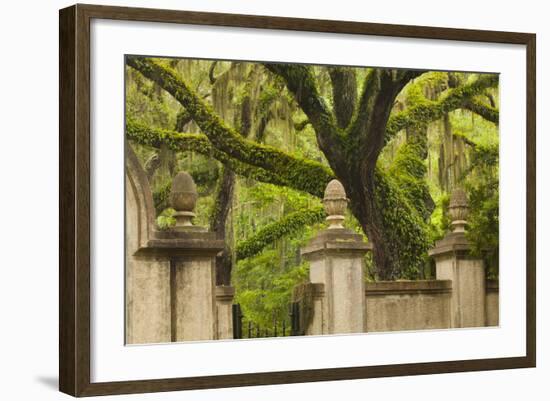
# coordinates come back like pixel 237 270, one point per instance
pixel 305 175
pixel 428 111
pixel 199 143
pixel 289 224
pixel 487 112
pixel 486 154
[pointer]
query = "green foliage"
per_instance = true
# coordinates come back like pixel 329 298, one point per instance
pixel 166 219
pixel 264 289
pixel 440 221
pixel 408 170
pixel 161 197
pixel 483 228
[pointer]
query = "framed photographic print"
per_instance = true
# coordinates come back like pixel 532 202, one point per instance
pixel 250 200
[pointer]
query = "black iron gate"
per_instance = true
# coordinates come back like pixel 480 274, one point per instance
pixel 290 327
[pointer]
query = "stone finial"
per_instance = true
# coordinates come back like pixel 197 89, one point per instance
pixel 335 203
pixel 183 198
pixel 458 209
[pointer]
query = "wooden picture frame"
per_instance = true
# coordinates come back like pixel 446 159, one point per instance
pixel 74 200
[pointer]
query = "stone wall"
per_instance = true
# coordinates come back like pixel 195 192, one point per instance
pixel 408 305
pixel 418 305
pixel 403 305
pixel 491 303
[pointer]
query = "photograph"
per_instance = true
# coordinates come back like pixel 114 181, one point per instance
pixel 271 200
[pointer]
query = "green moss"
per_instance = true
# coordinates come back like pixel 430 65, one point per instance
pixel 404 227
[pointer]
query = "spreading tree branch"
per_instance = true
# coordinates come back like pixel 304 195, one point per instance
pixel 287 225
pixel 211 77
pixel 428 111
pixel 379 91
pixel 488 153
pixel 199 143
pixel 300 81
pixel 380 87
pixel 487 112
pixel 344 93
pixel 304 175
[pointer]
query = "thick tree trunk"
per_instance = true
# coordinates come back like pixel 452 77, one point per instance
pixel 361 193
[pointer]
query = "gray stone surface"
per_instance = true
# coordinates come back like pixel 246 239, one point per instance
pixel 336 262
pixel 454 262
pixel 224 302
pixel 147 278
pixel 195 298
pixel 408 305
pixel 492 312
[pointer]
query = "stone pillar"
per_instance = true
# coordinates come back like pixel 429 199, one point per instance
pixel 191 251
pixel 147 276
pixel 224 311
pixel 336 257
pixel 454 262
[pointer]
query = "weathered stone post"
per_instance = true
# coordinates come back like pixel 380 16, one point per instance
pixel 192 252
pixel 336 257
pixel 224 311
pixel 454 262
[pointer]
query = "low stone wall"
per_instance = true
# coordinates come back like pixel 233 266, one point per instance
pixel 408 305
pixel 419 305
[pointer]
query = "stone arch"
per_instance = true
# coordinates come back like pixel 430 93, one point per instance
pixel 147 277
pixel 140 212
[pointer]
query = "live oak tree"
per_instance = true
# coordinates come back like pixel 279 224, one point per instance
pixel 391 202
